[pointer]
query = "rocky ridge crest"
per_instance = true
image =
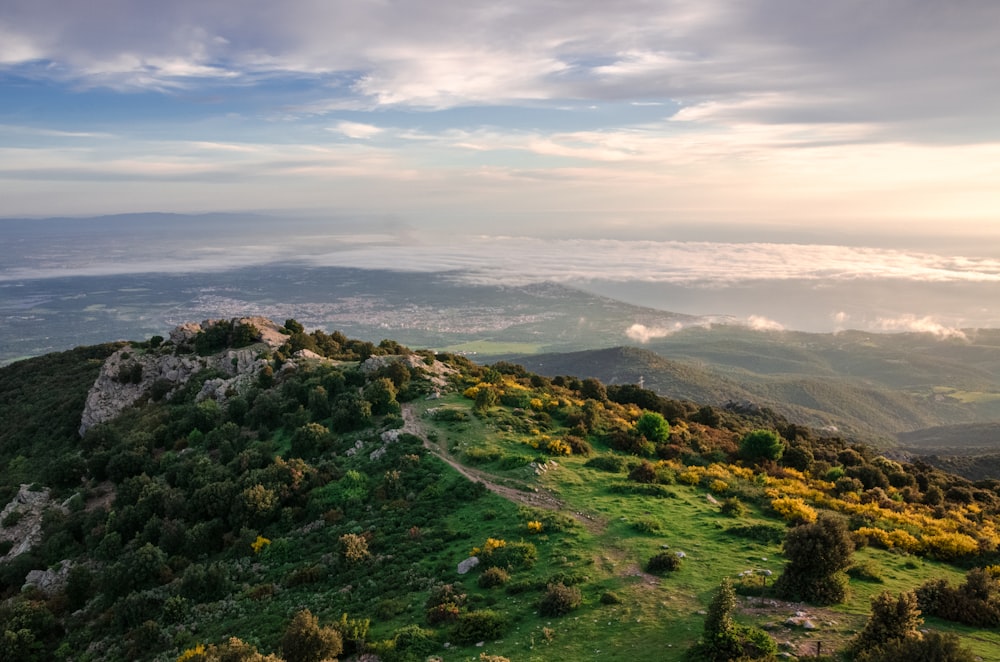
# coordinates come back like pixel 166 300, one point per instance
pixel 131 374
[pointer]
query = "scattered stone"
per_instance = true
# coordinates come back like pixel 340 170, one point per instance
pixel 468 564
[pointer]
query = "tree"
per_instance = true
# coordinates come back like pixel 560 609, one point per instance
pixel 891 619
pixel 892 634
pixel 817 553
pixel 723 639
pixel 486 397
pixel 593 389
pixel 381 393
pixel 761 445
pixel 653 427
pixel 306 641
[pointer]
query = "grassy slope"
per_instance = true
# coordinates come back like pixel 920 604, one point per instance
pixel 659 617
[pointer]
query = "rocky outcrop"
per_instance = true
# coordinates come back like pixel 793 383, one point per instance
pixel 48 582
pixel 21 519
pixel 132 374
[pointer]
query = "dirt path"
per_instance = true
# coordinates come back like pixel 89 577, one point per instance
pixel 539 498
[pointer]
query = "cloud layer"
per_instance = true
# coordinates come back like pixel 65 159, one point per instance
pixel 758 111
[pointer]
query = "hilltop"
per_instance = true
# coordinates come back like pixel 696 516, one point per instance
pixel 185 491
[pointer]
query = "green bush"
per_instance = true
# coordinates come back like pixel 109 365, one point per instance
pixel 482 625
pixel 559 599
pixel 305 641
pixel 611 598
pixel 733 507
pixel 663 562
pixel 647 525
pixel 610 463
pixel 492 577
pixel 512 556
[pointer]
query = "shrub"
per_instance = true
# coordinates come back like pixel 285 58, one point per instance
pixel 762 533
pixel 411 643
pixel 482 625
pixel 611 598
pixel 610 463
pixel 653 427
pixel 724 639
pixel 559 599
pixel 930 647
pixel 733 507
pixel 647 525
pixel 817 553
pixel 512 556
pixel 891 618
pixel 644 472
pixel 867 571
pixel 663 562
pixel 761 445
pixel 305 641
pixel 492 577
pixel 793 509
pixel 579 445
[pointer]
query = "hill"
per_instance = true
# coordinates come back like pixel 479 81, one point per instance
pixel 244 489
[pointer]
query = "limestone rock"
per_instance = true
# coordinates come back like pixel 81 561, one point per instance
pixel 24 516
pixel 468 564
pixel 131 374
pixel 48 582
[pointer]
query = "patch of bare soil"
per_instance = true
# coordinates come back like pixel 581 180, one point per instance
pixel 801 629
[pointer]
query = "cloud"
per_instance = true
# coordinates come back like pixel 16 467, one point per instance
pixel 357 130
pixel 761 323
pixel 752 62
pixel 524 260
pixel 643 334
pixel 915 324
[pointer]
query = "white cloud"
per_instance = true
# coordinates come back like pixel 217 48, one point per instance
pixel 761 323
pixel 357 130
pixel 915 324
pixel 643 334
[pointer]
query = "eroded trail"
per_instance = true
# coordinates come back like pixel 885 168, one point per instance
pixel 539 498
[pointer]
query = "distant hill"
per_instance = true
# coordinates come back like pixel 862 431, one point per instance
pixel 805 386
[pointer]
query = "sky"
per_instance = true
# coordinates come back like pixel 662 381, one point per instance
pixel 630 120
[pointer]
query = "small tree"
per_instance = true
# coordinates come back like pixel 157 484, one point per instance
pixel 761 445
pixel 653 427
pixel 893 634
pixel 817 553
pixel 306 641
pixel 891 619
pixel 723 639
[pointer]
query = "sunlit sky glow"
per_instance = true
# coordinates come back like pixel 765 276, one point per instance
pixel 588 119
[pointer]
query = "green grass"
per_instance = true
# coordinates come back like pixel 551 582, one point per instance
pixel 658 617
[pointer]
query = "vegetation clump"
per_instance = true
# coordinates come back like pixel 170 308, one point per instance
pixel 559 599
pixel 663 562
pixel 818 553
pixel 723 639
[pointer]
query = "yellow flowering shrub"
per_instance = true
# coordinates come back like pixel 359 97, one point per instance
pixel 793 509
pixel 192 653
pixel 260 543
pixel 691 475
pixel 719 486
pixel 471 392
pixel 534 526
pixel 489 546
pixel 558 447
pixel 950 546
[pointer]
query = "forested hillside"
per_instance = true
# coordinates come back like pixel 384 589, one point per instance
pixel 315 497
